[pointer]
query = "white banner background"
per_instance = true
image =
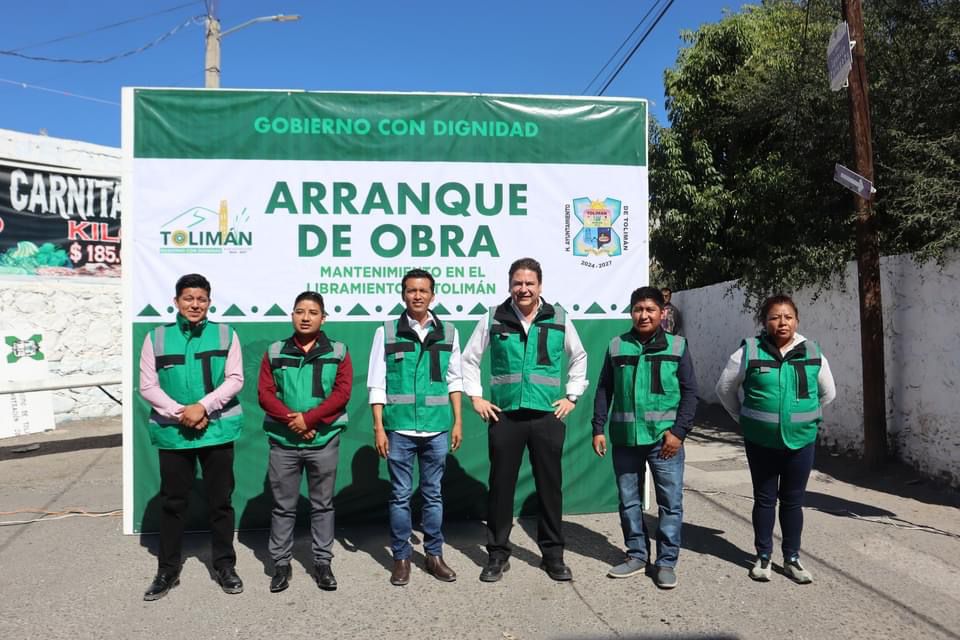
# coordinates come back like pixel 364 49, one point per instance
pixel 171 193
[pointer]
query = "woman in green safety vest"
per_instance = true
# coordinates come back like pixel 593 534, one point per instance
pixel 785 382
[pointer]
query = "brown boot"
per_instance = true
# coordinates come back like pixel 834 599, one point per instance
pixel 436 567
pixel 401 573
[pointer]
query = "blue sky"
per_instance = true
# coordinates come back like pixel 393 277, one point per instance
pixel 494 46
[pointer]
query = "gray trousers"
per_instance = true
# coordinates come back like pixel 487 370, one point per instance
pixel 286 468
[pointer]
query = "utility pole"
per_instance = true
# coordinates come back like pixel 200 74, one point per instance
pixel 211 70
pixel 214 35
pixel 868 253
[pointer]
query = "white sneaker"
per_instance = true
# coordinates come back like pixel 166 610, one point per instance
pixel 795 571
pixel 760 571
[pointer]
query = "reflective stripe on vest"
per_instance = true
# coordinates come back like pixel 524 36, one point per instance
pixel 187 380
pixel 526 366
pixel 781 397
pixel 318 391
pixel 549 381
pixel 646 391
pixel 417 392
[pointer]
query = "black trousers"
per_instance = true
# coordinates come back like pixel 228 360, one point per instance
pixel 542 433
pixel 177 470
pixel 779 474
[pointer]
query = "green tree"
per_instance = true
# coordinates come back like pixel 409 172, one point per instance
pixel 741 181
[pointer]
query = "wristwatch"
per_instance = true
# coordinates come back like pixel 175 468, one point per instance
pixel 572 398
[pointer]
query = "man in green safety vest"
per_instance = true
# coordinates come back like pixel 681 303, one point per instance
pixel 415 387
pixel 190 373
pixel 528 340
pixel 648 374
pixel 304 387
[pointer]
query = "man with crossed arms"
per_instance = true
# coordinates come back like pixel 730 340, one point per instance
pixel 415 388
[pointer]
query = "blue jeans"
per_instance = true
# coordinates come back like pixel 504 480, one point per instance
pixel 778 474
pixel 629 465
pixel 432 454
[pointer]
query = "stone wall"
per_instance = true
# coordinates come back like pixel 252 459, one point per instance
pixel 81 324
pixel 921 304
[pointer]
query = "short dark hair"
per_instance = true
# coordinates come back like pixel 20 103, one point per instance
pixel 527 263
pixel 647 293
pixel 313 296
pixel 416 273
pixel 666 290
pixel 769 303
pixel 192 281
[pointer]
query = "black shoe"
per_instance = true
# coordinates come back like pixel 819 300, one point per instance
pixel 229 581
pixel 557 570
pixel 495 569
pixel 324 577
pixel 281 578
pixel 161 584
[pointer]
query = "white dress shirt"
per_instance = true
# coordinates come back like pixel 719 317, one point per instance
pixel 377 368
pixel 480 339
pixel 729 386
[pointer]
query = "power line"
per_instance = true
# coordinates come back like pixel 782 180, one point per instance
pixel 635 47
pixel 801 64
pixel 125 54
pixel 104 27
pixel 24 85
pixel 622 45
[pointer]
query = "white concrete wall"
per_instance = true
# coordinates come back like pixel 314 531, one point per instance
pixel 921 304
pixel 81 326
pixel 59 153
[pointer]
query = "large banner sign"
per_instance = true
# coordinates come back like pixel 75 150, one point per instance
pixel 270 193
pixel 58 224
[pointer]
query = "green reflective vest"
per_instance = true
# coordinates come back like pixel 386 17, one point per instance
pixel 646 390
pixel 190 363
pixel 303 381
pixel 781 398
pixel 525 367
pixel 417 395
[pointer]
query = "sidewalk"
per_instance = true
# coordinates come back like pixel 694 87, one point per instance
pixel 878 571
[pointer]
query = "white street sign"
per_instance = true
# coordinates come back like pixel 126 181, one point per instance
pixel 853 181
pixel 839 59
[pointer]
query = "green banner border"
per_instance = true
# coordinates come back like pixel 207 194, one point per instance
pixel 363 485
pixel 247 125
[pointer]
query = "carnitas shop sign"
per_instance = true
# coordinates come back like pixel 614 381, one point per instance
pixel 58 224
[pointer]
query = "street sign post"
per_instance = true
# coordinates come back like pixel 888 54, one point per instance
pixel 853 181
pixel 839 58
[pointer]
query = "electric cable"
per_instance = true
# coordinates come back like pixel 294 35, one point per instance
pixel 801 65
pixel 26 85
pixel 892 521
pixel 622 45
pixel 109 395
pixel 80 34
pixel 125 54
pixel 48 516
pixel 635 47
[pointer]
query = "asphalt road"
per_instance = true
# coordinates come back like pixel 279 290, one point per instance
pixel 883 548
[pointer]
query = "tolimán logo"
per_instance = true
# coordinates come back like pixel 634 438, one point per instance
pixel 599 239
pixel 203 230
